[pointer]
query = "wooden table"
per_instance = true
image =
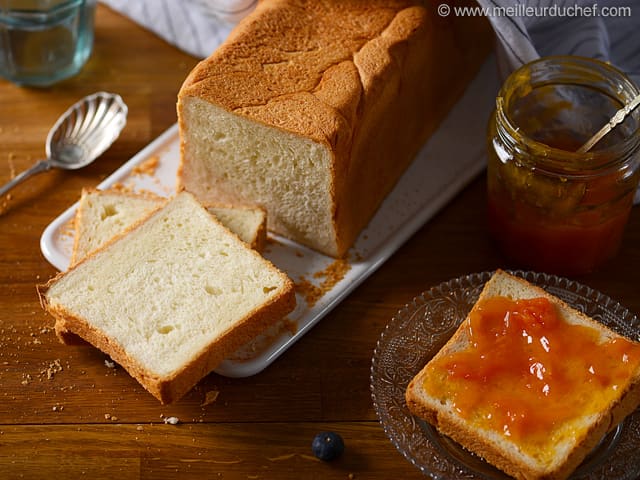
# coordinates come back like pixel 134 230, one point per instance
pixel 64 414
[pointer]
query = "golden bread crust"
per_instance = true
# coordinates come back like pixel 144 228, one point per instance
pixel 171 389
pixel 370 85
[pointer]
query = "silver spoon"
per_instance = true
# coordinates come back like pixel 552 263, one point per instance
pixel 617 118
pixel 80 135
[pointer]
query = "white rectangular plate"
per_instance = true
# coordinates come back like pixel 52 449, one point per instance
pixel 453 156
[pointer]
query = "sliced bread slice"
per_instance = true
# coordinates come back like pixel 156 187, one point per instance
pixel 103 214
pixel 171 298
pixel 532 387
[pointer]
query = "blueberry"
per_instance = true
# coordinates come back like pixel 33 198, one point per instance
pixel 327 445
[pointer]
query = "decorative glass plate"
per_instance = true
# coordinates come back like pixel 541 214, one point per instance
pixel 423 326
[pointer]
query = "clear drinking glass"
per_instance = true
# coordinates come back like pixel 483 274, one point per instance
pixel 44 41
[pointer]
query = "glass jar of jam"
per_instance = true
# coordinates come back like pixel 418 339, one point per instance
pixel 552 209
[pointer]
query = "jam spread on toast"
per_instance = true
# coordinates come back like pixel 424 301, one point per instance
pixel 526 372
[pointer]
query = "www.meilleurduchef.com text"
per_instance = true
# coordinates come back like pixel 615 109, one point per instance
pixel 520 10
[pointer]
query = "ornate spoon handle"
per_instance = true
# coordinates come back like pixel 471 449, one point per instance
pixel 615 120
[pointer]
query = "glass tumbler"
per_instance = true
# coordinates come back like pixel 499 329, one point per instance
pixel 44 41
pixel 550 208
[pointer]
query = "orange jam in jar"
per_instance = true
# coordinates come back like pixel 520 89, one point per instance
pixel 550 208
pixel 527 373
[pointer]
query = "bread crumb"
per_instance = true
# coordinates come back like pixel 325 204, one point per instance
pixel 68 229
pixel 351 476
pixel 53 368
pixel 148 167
pixel 58 408
pixel 172 420
pixel 146 192
pixel 210 397
pixel 334 272
pixel 332 275
pixel 107 416
pixel 26 379
pixel 121 187
pixel 309 291
pixel 139 428
pixel 114 418
pixel 109 364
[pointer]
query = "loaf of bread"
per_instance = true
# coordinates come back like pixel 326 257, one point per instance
pixel 314 109
pixel 103 214
pixel 527 382
pixel 171 298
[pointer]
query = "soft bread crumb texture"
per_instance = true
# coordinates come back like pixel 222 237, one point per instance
pixel 249 223
pixel 169 294
pixel 566 446
pixel 247 155
pixel 314 109
pixel 103 214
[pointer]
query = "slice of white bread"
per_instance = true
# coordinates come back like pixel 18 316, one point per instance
pixel 171 298
pixel 556 452
pixel 103 214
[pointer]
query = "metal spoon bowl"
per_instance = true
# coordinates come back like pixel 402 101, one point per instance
pixel 80 135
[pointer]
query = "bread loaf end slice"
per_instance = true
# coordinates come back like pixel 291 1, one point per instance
pixel 171 298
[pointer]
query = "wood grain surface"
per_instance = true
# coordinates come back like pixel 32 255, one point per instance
pixel 65 414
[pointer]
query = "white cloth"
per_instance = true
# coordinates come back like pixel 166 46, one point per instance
pixel 608 31
pixel 195 26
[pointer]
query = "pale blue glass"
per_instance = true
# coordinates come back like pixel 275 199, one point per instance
pixel 44 41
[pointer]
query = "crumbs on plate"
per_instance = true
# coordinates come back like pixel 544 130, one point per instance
pixel 332 275
pixel 148 167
